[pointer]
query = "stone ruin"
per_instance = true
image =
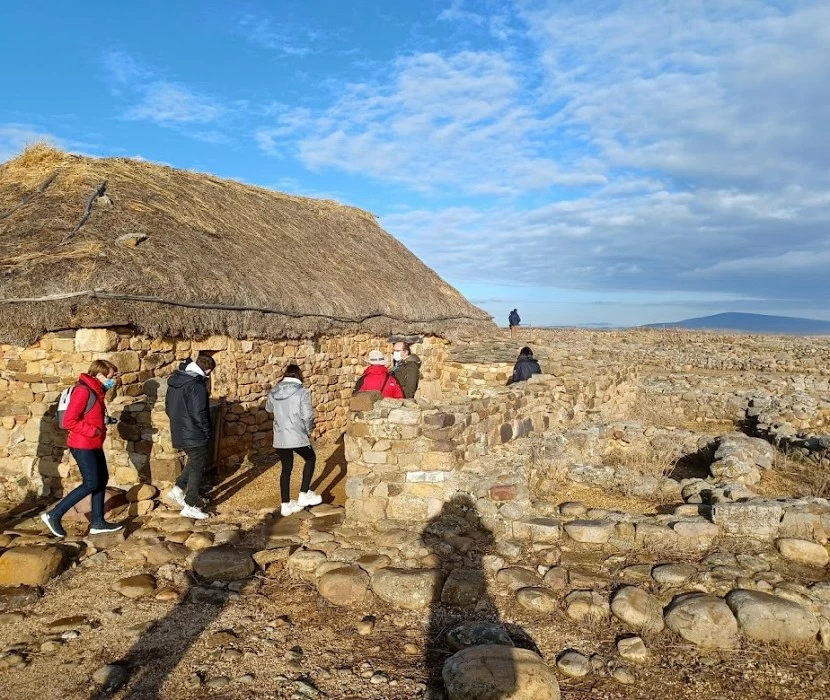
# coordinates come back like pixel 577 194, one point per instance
pixel 461 506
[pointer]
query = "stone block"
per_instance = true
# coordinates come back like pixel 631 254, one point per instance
pixel 404 416
pixel 425 477
pixel 761 519
pixel 165 469
pixel 95 340
pixel 126 361
pixel 364 401
pixel 424 490
pixel 438 461
pixel 30 565
pixel 502 492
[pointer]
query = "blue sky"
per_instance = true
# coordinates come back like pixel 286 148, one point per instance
pixel 615 162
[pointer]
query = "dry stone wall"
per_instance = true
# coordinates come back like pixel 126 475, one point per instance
pixel 33 454
pixel 405 458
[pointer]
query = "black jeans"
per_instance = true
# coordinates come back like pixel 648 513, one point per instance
pixel 93 467
pixel 287 460
pixel 191 477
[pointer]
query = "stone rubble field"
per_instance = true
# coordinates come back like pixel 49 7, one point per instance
pixel 678 551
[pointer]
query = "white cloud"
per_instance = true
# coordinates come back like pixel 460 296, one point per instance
pixel 440 120
pixel 123 69
pixel 167 103
pixel 680 146
pixel 288 39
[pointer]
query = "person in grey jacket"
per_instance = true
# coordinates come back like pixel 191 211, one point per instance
pixel 290 404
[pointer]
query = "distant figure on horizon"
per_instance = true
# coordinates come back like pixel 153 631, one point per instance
pixel 526 366
pixel 513 321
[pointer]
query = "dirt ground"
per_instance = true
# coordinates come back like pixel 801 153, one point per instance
pixel 282 640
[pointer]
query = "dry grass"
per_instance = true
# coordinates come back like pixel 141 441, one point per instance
pixel 326 267
pixel 598 497
pixel 795 476
pixel 645 460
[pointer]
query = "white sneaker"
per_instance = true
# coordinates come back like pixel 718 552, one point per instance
pixel 309 498
pixel 177 496
pixel 193 512
pixel 290 508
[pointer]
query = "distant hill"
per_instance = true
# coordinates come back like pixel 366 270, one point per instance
pixel 752 323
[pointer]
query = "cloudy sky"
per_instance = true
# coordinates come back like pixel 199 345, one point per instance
pixel 615 162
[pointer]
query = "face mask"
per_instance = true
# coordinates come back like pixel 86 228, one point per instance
pixel 109 383
pixel 396 355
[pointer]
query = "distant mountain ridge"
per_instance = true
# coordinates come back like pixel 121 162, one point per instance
pixel 752 323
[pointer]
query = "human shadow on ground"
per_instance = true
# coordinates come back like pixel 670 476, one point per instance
pixel 162 647
pixel 335 463
pixel 463 612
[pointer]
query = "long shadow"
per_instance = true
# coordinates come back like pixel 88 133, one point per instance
pixel 465 615
pixel 160 650
pixel 335 462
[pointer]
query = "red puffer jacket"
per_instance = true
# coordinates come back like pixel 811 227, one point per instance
pixel 86 432
pixel 376 378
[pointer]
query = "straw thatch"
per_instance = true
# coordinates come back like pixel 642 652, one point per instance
pixel 87 242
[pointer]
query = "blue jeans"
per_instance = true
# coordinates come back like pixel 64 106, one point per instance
pixel 93 466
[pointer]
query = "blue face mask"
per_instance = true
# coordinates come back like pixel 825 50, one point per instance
pixel 109 383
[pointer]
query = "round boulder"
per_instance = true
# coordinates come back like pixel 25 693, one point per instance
pixel 346 586
pixel 638 609
pixel 539 600
pixel 496 672
pixel 475 633
pixel 803 552
pixel 769 618
pixel 223 564
pixel 703 620
pixel 411 589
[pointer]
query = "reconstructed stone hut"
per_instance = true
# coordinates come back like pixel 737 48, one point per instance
pixel 145 265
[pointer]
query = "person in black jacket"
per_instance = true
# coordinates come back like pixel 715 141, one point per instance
pixel 526 366
pixel 513 321
pixel 188 408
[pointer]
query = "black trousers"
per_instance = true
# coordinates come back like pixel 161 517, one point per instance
pixel 287 461
pixel 191 477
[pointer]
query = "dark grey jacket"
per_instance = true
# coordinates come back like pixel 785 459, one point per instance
pixel 290 404
pixel 524 369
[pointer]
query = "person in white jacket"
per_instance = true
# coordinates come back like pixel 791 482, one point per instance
pixel 290 404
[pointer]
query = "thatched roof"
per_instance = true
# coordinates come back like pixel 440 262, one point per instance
pixel 219 257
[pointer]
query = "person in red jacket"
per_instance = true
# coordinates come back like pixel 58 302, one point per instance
pixel 87 431
pixel 377 378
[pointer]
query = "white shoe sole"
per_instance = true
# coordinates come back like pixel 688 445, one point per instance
pixel 45 518
pixel 96 531
pixel 194 516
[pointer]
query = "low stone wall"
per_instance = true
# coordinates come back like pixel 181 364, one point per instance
pixel 726 398
pixel 405 458
pixel 463 377
pixel 33 454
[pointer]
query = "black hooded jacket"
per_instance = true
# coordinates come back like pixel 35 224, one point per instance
pixel 188 407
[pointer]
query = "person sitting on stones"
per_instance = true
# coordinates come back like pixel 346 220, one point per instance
pixel 290 404
pixel 86 420
pixel 526 366
pixel 377 378
pixel 407 368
